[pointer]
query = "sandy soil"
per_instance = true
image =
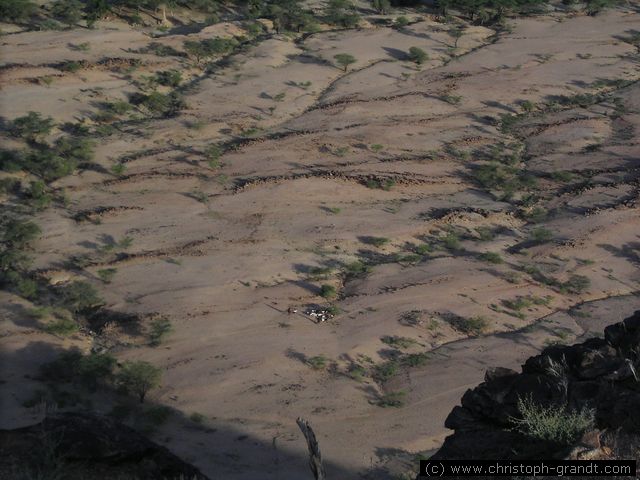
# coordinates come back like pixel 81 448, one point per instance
pixel 299 191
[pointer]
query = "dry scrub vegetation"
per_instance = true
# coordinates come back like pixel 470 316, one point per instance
pixel 182 182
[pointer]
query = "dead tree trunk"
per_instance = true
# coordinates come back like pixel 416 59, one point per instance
pixel 315 457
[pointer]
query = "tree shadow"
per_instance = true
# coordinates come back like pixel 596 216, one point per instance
pixel 219 448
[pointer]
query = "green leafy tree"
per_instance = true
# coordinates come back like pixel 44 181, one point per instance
pixel 67 11
pixel 342 13
pixel 381 6
pixel 19 233
pixel 79 296
pixel 139 378
pixel 344 60
pixel 95 10
pixel 16 10
pixel 456 33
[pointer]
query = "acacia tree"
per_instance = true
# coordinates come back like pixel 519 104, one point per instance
pixel 67 11
pixel 139 378
pixel 344 60
pixel 31 126
pixel 456 33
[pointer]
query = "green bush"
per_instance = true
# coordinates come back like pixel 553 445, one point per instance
pixel 417 55
pixel 401 21
pixel 415 359
pixel 318 362
pixel 79 296
pixel 471 326
pixel 160 104
pixel 518 303
pixel 491 257
pixel 169 78
pixel 451 241
pixel 540 235
pixel 38 195
pixel 63 326
pixel 31 126
pixel 398 342
pixel 385 371
pixel 19 233
pixel 328 291
pixel 555 424
pixel 577 284
pixel 392 399
pixel 377 241
pixel 160 328
pixel 107 274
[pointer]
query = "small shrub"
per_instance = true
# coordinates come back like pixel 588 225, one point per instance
pixel 328 291
pixel 357 268
pixel 169 78
pixel 357 372
pixel 452 99
pixel 423 249
pixel 417 55
pixel 160 328
pixel 61 326
pixel 71 66
pixel 157 415
pixel 376 147
pixel 540 235
pixel 392 399
pixel 415 359
pixel 107 274
pixel 527 106
pixel 118 168
pixel 79 296
pixel 451 241
pixel 471 326
pixel 518 303
pixel 577 284
pixel 197 418
pixel 555 424
pixel 491 257
pixel 401 21
pixel 318 362
pixel 385 371
pixel 377 241
pixel 398 342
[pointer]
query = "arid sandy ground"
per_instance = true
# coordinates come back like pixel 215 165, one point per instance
pixel 303 191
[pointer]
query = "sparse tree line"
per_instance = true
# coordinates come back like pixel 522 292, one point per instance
pixel 287 15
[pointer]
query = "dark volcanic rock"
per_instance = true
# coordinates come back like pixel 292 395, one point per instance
pixel 75 446
pixel 599 374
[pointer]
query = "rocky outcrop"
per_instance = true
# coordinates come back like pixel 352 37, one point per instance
pixel 600 375
pixel 74 446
